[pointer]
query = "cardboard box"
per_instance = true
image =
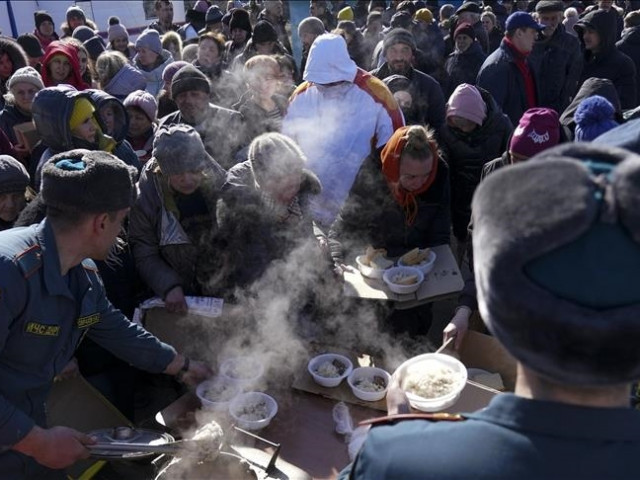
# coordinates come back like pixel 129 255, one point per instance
pixel 27 135
pixel 484 351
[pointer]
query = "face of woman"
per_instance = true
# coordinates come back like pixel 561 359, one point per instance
pixel 414 172
pixel 463 42
pixel 208 53
pixel 23 94
pixel 283 188
pixel 120 44
pixel 146 57
pixel 11 204
pixel 60 68
pixel 487 24
pixel 185 183
pixel 6 66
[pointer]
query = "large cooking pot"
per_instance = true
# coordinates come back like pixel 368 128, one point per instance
pixel 225 466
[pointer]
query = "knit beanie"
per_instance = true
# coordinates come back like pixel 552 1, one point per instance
pixel 41 16
pixel 88 181
pixel 264 32
pixel 179 149
pixel 397 83
pixel 95 46
pixel 402 19
pixel 82 109
pixel 345 14
pixel 83 33
pixel 466 102
pixel 538 129
pixel 398 35
pixel 424 14
pixel 31 45
pixel 13 175
pixel 116 30
pixel 75 12
pixel 594 116
pixel 171 69
pixel 150 39
pixel 214 15
pixel 556 242
pixel 189 78
pixel 26 75
pixel 465 28
pixel 144 101
pixel 273 155
pixel 240 19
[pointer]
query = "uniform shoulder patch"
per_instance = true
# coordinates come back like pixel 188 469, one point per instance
pixel 30 260
pixel 432 417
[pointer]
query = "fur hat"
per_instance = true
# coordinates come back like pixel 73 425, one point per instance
pixel 465 29
pixel 214 15
pixel 150 39
pixel 398 35
pixel 179 149
pixel 116 30
pixel 144 101
pixel 594 116
pixel 13 175
pixel 538 129
pixel 240 19
pixel 26 75
pixel 42 16
pixel 75 12
pixel 273 155
pixel 88 181
pixel 264 32
pixel 466 102
pixel 189 78
pixel 556 241
pixel 31 45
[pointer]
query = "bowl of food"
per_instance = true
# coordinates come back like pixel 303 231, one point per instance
pixel 216 393
pixel 423 260
pixel 373 263
pixel 329 369
pixel 432 381
pixel 253 410
pixel 369 383
pixel 242 371
pixel 403 280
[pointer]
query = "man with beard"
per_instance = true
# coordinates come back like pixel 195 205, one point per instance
pixel 219 128
pixel 52 297
pixel 399 48
pixel 556 57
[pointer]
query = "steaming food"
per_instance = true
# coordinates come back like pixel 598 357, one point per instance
pixel 375 384
pixel 402 278
pixel 241 369
pixel 430 379
pixel 376 258
pixel 415 256
pixel 207 441
pixel 331 369
pixel 220 393
pixel 253 412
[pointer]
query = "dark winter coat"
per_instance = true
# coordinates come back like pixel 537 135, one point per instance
pixel 613 13
pixel 467 153
pixel 251 236
pixel 630 46
pixel 10 116
pixel 500 75
pixel 608 61
pixel 255 117
pixel 427 94
pixel 495 38
pixel 463 67
pixel 558 62
pixel 372 216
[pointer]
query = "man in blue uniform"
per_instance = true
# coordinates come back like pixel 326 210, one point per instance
pixel 556 248
pixel 51 297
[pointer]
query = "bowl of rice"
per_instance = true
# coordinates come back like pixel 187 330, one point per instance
pixel 253 410
pixel 369 383
pixel 242 371
pixel 432 381
pixel 216 393
pixel 329 369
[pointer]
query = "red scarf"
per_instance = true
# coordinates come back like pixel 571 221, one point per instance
pixel 520 58
pixel 390 157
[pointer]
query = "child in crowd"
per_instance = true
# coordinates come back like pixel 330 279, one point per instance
pixel 119 38
pixel 142 109
pixel 85 129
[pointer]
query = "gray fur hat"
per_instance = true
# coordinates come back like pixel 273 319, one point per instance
pixel 274 155
pixel 13 175
pixel 179 149
pixel 556 245
pixel 88 182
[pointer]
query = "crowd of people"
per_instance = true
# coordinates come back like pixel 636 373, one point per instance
pixel 199 157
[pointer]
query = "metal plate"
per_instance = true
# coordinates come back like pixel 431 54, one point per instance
pixel 129 435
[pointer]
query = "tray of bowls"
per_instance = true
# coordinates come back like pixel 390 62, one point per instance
pixel 419 274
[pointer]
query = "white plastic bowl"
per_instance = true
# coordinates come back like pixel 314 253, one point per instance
pixel 368 271
pixel 402 289
pixel 207 393
pixel 316 362
pixel 243 404
pixel 425 266
pixel 437 403
pixel 242 371
pixel 362 373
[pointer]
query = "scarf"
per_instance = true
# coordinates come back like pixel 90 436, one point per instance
pixel 520 59
pixel 390 158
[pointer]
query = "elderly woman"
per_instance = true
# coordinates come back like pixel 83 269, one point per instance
pixel 173 223
pixel 398 203
pixel 263 213
pixel 14 181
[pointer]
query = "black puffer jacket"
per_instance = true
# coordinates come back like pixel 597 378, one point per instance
pixel 608 61
pixel 630 46
pixel 558 61
pixel 463 67
pixel 371 216
pixel 251 236
pixel 467 153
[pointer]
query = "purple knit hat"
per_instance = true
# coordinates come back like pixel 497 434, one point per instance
pixel 538 129
pixel 144 101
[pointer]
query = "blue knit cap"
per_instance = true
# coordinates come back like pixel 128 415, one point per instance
pixel 150 39
pixel 594 116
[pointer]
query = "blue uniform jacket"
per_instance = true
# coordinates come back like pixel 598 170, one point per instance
pixel 43 318
pixel 513 438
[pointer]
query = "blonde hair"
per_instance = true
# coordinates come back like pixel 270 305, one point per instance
pixel 258 64
pixel 108 64
pixel 420 143
pixel 172 38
